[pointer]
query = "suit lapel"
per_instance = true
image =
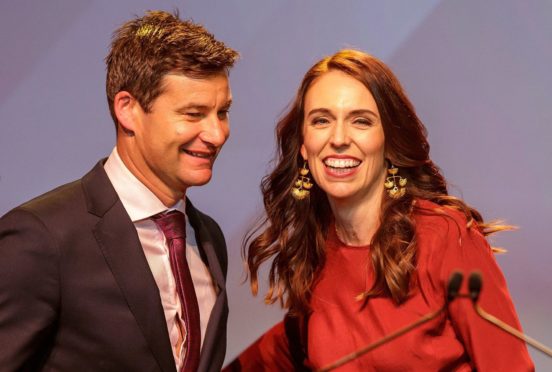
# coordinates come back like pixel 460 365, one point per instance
pixel 205 242
pixel 119 243
pixel 216 327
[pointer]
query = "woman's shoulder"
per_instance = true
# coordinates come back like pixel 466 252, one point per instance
pixel 430 215
pixel 444 232
pixel 440 227
pixel 446 243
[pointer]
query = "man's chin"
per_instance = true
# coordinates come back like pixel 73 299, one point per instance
pixel 196 181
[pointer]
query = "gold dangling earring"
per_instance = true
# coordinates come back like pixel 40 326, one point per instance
pixel 396 191
pixel 300 189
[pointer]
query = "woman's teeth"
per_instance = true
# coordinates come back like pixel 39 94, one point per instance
pixel 341 163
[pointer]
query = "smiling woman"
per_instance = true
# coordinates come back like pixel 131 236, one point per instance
pixel 344 141
pixel 369 247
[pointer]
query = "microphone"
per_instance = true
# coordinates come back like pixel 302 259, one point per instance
pixel 475 283
pixel 453 287
pixel 454 284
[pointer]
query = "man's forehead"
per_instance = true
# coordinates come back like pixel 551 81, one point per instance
pixel 197 77
pixel 211 91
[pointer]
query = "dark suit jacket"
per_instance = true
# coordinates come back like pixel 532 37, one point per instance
pixel 76 291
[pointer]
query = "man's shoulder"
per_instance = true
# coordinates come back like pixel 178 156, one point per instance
pixel 42 220
pixel 66 199
pixel 58 198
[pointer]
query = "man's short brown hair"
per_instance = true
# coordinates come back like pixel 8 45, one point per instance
pixel 145 49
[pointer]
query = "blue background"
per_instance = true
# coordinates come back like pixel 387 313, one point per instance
pixel 477 72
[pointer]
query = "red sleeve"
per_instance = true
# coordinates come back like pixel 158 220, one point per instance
pixel 269 353
pixel 489 348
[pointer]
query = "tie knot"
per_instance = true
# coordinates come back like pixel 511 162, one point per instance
pixel 173 224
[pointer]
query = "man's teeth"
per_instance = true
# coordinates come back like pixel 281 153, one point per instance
pixel 341 163
pixel 198 154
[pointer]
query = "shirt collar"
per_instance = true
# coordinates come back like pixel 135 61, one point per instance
pixel 139 202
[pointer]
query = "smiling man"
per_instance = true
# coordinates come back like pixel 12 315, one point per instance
pixel 118 271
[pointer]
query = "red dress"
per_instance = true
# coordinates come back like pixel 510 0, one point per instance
pixel 457 340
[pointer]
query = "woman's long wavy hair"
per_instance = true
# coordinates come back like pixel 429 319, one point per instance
pixel 293 232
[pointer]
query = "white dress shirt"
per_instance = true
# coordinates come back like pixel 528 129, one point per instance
pixel 141 204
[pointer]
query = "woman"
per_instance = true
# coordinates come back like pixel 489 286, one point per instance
pixel 364 236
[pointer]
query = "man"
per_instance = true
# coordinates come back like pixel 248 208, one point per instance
pixel 92 276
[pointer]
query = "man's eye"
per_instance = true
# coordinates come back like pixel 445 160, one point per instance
pixel 223 114
pixel 195 115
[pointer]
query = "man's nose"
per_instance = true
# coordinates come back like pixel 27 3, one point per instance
pixel 215 131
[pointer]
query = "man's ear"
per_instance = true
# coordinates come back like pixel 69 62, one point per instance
pixel 126 109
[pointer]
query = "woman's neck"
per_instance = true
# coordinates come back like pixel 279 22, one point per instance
pixel 356 221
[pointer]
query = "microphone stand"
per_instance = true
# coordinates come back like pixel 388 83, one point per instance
pixel 511 330
pixel 453 287
pixel 455 281
pixel 372 346
pixel 475 284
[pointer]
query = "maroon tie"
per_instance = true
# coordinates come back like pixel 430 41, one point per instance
pixel 173 225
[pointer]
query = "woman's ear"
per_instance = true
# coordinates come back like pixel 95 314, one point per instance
pixel 125 105
pixel 387 159
pixel 303 152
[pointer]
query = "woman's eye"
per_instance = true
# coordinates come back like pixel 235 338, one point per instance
pixel 320 121
pixel 363 121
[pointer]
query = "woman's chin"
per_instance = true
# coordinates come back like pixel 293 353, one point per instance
pixel 341 193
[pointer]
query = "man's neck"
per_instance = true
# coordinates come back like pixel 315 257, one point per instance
pixel 165 194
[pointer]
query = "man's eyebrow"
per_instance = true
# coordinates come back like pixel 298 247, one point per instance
pixel 200 107
pixel 228 104
pixel 192 106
